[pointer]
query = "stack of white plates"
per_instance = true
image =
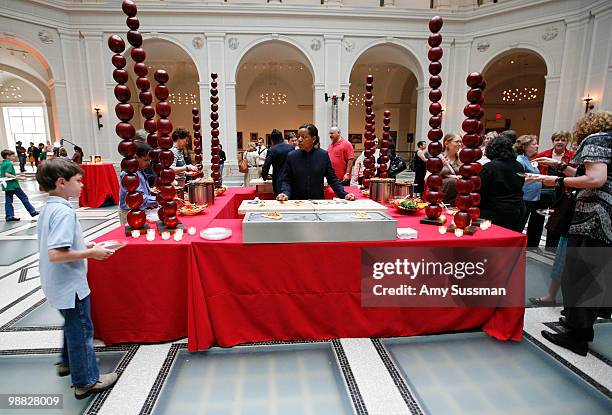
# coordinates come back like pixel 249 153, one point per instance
pixel 215 234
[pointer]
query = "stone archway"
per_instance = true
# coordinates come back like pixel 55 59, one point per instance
pixel 274 89
pixel 516 83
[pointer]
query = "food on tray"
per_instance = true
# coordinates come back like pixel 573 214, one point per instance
pixel 365 192
pixel 220 190
pixel 189 209
pixel 360 215
pixel 410 203
pixel 272 215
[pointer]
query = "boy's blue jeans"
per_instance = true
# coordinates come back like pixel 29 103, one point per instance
pixel 78 352
pixel 8 202
pixel 559 263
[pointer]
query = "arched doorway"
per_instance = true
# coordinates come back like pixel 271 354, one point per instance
pixel 395 89
pixel 274 89
pixel 26 111
pixel 515 92
pixel 183 83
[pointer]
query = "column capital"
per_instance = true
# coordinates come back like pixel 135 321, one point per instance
pixel 333 37
pixel 552 78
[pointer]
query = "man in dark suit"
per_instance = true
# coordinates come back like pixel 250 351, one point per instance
pixel 276 157
pixel 305 169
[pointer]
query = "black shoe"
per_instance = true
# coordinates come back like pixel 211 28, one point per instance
pixel 563 312
pixel 563 322
pixel 34 214
pixel 566 341
pixel 541 303
pixel 13 219
pixel 62 370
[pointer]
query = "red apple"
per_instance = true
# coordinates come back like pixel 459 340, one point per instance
pixel 462 219
pixel 195 111
pixel 435 82
pixel 214 100
pixel 167 191
pixel 475 198
pixel 474 95
pixel 143 83
pixel 464 186
pixel 435 53
pixel 116 44
pixel 434 40
pixel 434 148
pixel 435 24
pixel 474 79
pixel 369 79
pixel 129 8
pixel 435 68
pixel 161 76
pixel 135 38
pixel 133 200
pixel 171 222
pixel 166 158
pixel 120 76
pixel 434 165
pixel 467 155
pixel 474 212
pixel 477 182
pixel 164 126
pixel 132 23
pixel 471 110
pixel 118 61
pixel 435 122
pixel 125 130
pixel 160 212
pixel 122 93
pixel 136 218
pixel 214 124
pixel 471 140
pixel 167 176
pixel 170 208
pixel 138 54
pixel 434 182
pixel 163 109
pixel 434 134
pixel 145 97
pixel 215 175
pixel 433 211
pixel 130 182
pixel 150 125
pixel 471 126
pixel 129 165
pixel 463 201
pixel 162 92
pixel 435 108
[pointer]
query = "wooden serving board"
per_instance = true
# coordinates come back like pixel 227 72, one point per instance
pixel 310 206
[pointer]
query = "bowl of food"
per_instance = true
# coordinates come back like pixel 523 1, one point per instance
pixel 409 206
pixel 190 209
pixel 365 192
pixel 220 190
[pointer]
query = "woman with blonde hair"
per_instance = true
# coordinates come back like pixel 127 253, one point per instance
pixel 450 158
pixel 526 146
pixel 587 271
pixel 251 156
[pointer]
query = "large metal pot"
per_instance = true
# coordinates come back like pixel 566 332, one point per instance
pixel 381 190
pixel 403 188
pixel 201 192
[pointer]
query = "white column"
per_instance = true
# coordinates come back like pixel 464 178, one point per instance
pixel 454 88
pixel 74 86
pixel 343 110
pixel 422 118
pixel 569 105
pixel 332 65
pixel 389 3
pixel 333 2
pixel 229 140
pixel 93 56
pixel 110 120
pixel 551 95
pixel 319 110
pixel 59 94
pixel 215 49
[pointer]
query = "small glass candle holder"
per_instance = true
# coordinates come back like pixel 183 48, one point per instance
pixel 165 235
pixel 151 231
pixel 150 236
pixel 192 230
pixel 458 232
pixel 178 236
pixel 136 233
pixel 442 229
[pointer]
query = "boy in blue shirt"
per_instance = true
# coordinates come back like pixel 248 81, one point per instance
pixel 63 274
pixel 7 171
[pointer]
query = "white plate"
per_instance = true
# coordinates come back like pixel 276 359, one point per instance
pixel 111 245
pixel 215 234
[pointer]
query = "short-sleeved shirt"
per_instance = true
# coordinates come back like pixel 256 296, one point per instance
pixel 7 167
pixel 179 161
pixel 531 190
pixel 593 213
pixel 58 227
pixel 339 154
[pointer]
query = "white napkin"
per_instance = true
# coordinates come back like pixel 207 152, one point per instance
pixel 406 233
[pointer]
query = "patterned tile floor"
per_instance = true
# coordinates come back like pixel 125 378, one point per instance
pixel 459 373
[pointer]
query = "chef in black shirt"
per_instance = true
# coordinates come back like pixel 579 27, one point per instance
pixel 305 169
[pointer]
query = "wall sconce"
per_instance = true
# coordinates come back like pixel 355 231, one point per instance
pixel 587 103
pixel 334 97
pixel 98 117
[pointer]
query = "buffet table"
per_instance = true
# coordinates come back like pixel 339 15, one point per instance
pixel 100 184
pixel 227 292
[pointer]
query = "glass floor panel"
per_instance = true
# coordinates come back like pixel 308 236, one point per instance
pixel 43 315
pixel 537 279
pixel 13 251
pixel 36 374
pixel 291 379
pixel 473 373
pixel 603 340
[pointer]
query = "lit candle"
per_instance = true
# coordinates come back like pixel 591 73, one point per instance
pixel 178 236
pixel 151 232
pixel 483 225
pixel 165 235
pixel 458 232
pixel 151 236
pixel 136 233
pixel 192 230
pixel 442 229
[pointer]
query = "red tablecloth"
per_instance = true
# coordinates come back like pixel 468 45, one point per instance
pixel 100 183
pixel 226 292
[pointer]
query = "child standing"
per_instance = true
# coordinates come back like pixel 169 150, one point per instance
pixel 12 187
pixel 63 274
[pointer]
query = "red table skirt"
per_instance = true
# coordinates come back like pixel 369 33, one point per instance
pixel 227 293
pixel 100 183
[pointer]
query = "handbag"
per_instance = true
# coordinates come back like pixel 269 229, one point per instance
pixel 397 166
pixel 563 211
pixel 243 166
